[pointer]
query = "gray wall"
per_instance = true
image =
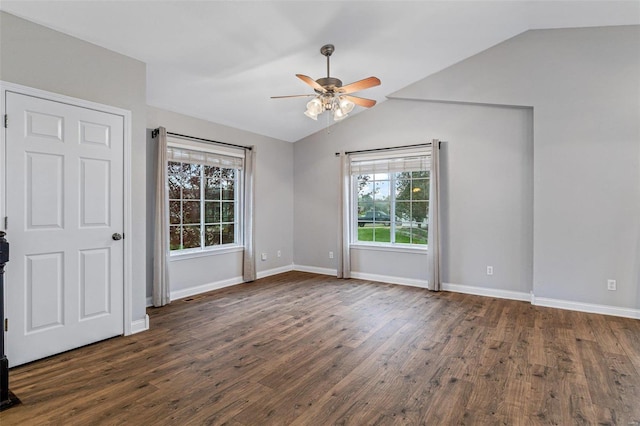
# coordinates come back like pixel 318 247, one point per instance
pixel 544 185
pixel 35 56
pixel 575 153
pixel 584 87
pixel 274 202
pixel 487 147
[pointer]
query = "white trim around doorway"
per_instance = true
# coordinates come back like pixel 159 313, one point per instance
pixel 129 326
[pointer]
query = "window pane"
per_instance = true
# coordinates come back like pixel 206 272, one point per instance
pixel 419 211
pixel 365 233
pixel 382 234
pixel 228 235
pixel 211 235
pixel 381 190
pixel 227 212
pixel 228 189
pixel 211 172
pixel 420 189
pixel 191 236
pixel 229 174
pixel 190 212
pixel 381 213
pixel 419 234
pixel 403 210
pixel 403 189
pixel 211 212
pixel 191 185
pixel 174 174
pixel 174 238
pixel 174 212
pixel 403 233
pixel 212 189
pixel 365 190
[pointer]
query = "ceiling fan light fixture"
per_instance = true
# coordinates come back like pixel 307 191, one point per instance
pixel 346 106
pixel 314 106
pixel 338 114
pixel 311 115
pixel 332 95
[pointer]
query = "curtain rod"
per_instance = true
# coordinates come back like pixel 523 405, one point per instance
pixel 388 149
pixel 155 132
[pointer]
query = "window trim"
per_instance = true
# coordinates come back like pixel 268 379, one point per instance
pixel 238 243
pixel 382 245
pixel 208 251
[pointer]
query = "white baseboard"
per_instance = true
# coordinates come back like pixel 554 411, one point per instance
pixel 192 291
pixel 388 279
pixel 489 292
pixel 586 307
pixel 140 325
pixel 143 324
pixel 275 271
pixel 315 270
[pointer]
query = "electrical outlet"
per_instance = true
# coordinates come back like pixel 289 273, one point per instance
pixel 489 270
pixel 279 253
pixel 264 256
pixel 611 285
pixel 330 255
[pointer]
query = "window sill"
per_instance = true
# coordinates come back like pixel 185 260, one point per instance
pixel 389 248
pixel 204 253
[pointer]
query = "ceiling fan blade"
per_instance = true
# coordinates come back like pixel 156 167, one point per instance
pixel 311 82
pixel 367 103
pixel 291 96
pixel 360 85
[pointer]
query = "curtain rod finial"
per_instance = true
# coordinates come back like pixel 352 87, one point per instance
pixel 154 133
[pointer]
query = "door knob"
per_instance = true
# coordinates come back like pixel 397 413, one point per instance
pixel 116 236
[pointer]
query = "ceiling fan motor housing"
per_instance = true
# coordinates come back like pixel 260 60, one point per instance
pixel 329 83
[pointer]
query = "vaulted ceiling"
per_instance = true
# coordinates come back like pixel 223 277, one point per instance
pixel 222 60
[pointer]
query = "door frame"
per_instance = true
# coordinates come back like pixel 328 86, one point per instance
pixel 6 87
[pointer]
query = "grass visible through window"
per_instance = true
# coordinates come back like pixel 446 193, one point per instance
pixel 382 234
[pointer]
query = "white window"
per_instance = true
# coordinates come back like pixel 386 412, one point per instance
pixel 205 189
pixel 391 198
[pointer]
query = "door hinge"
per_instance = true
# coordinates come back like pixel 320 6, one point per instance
pixel 6 121
pixel 6 222
pixel 6 324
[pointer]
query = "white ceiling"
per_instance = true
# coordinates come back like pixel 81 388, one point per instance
pixel 222 60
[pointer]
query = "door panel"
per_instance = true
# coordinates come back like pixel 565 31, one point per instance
pixel 95 267
pixel 64 186
pixel 44 191
pixel 44 307
pixel 95 178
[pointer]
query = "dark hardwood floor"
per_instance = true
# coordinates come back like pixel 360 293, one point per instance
pixel 304 349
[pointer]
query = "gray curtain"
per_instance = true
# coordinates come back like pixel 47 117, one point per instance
pixel 161 295
pixel 344 255
pixel 433 243
pixel 249 259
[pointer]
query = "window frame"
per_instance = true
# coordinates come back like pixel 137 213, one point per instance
pixel 383 245
pixel 204 250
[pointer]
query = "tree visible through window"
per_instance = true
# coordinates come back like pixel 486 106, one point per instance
pixel 392 200
pixel 203 205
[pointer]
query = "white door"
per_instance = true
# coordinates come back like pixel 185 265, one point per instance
pixel 64 202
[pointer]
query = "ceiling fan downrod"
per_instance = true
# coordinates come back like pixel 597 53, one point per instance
pixel 327 50
pixel 329 83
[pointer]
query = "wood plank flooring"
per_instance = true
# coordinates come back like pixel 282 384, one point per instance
pixel 304 349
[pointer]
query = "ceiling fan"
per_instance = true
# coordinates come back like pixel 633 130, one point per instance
pixel 331 95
